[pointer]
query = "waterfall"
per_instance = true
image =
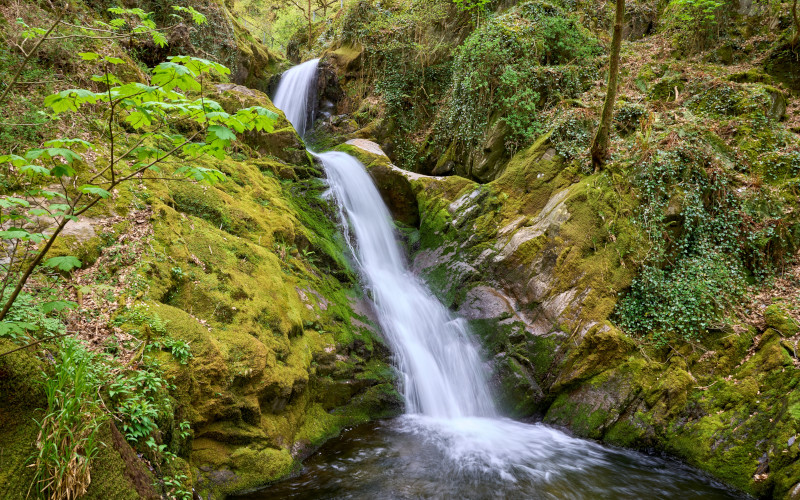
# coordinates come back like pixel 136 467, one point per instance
pixel 296 94
pixel 442 368
pixel 451 442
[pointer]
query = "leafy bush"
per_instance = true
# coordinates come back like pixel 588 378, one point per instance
pixel 696 23
pixel 694 271
pixel 512 67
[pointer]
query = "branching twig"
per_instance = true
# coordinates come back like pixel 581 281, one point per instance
pixel 37 342
pixel 29 54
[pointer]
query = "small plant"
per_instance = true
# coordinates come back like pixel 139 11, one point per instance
pixel 138 398
pixel 480 5
pixel 68 441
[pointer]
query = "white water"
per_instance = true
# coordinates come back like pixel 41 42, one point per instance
pixel 449 404
pixel 294 95
pixel 444 374
pixel 448 401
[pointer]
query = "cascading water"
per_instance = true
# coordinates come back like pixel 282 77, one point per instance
pixel 451 443
pixel 295 95
pixel 442 368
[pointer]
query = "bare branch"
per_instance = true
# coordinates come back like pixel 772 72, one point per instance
pixel 29 54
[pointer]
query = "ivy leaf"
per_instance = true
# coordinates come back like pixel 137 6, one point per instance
pixel 65 263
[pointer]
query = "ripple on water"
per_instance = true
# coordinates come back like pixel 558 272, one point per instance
pixel 418 457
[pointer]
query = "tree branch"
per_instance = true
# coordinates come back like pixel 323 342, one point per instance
pixel 29 54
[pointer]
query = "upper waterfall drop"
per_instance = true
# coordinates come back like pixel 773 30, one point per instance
pixel 295 95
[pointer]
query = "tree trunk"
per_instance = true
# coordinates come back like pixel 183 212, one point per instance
pixel 602 139
pixel 796 24
pixel 310 27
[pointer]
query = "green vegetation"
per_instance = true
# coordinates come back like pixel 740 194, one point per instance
pixel 68 439
pixel 179 312
pixel 511 68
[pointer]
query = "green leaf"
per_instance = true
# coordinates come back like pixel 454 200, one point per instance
pixel 34 170
pixel 218 132
pixel 14 234
pixel 108 79
pixel 198 18
pixel 65 263
pixel 95 190
pixel 70 100
pixel 18 201
pixel 113 60
pixel 58 306
pixel 60 143
pixel 15 160
pixel 89 56
pixel 62 171
pixel 14 329
pixel 169 74
pixel 158 38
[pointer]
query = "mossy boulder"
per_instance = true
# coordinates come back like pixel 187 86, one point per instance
pixel 777 318
pixel 282 143
pixel 783 65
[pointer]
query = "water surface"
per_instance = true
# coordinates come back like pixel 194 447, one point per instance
pixel 416 458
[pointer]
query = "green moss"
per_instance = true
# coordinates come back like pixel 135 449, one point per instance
pixel 583 418
pixel 777 318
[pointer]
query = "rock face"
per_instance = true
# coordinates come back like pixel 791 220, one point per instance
pixel 529 259
pixel 395 189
